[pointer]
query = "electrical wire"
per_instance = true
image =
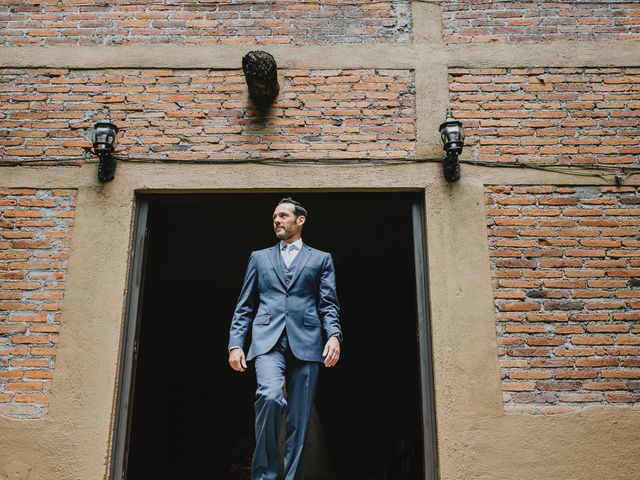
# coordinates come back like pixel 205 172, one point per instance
pixel 605 172
pixel 205 161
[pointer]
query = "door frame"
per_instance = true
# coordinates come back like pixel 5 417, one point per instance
pixel 131 329
pixel 425 357
pixel 129 342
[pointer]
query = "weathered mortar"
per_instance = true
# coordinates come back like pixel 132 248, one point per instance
pixel 549 116
pixel 35 231
pixel 564 262
pixel 473 21
pixel 195 23
pixel 206 114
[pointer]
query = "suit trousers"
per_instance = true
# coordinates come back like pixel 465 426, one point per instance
pixel 272 370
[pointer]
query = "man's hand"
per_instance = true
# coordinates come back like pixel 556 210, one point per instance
pixel 331 352
pixel 236 360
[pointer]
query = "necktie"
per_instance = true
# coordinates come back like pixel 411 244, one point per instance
pixel 287 253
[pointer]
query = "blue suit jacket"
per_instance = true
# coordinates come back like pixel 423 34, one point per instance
pixel 308 308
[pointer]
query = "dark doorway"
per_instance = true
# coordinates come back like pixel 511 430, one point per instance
pixel 191 416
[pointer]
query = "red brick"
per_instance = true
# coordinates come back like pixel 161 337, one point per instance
pixel 551 363
pixel 576 374
pixel 622 397
pixel 23 386
pixel 619 373
pixel 592 340
pixel 544 341
pixel 610 328
pixel 580 397
pixel 596 362
pixel 573 352
pixel 518 386
pixel 529 374
pixel 519 306
pixel 33 398
pixel 568 329
pixel 547 317
pixel 604 386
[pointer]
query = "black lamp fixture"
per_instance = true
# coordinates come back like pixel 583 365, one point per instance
pixel 104 141
pixel 452 135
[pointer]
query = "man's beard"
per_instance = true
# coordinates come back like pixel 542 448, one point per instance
pixel 283 235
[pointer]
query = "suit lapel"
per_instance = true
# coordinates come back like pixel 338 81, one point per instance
pixel 304 255
pixel 275 263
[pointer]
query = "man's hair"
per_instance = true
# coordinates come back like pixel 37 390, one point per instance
pixel 298 209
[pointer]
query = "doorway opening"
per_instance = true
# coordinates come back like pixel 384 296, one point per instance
pixel 183 413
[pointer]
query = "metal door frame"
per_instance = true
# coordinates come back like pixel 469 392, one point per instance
pixel 431 470
pixel 128 351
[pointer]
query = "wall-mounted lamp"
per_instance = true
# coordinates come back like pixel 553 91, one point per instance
pixel 452 135
pixel 104 141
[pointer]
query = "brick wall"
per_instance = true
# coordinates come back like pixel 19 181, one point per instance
pixel 566 272
pixel 205 22
pixel 206 114
pixel 549 115
pixel 35 231
pixel 467 21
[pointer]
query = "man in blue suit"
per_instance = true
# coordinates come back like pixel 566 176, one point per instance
pixel 289 301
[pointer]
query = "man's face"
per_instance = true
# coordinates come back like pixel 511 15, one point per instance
pixel 285 223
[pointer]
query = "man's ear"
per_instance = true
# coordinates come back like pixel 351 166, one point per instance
pixel 301 219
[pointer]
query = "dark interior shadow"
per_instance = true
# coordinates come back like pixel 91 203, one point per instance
pixel 192 415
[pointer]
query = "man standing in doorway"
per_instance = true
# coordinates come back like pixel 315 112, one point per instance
pixel 289 299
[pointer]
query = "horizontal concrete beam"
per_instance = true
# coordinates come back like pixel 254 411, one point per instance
pixel 550 54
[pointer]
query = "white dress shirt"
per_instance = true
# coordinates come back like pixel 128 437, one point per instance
pixel 290 255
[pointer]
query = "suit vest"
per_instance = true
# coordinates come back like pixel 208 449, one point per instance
pixel 288 272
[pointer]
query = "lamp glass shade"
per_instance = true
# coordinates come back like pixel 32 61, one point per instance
pixel 104 135
pixel 452 134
